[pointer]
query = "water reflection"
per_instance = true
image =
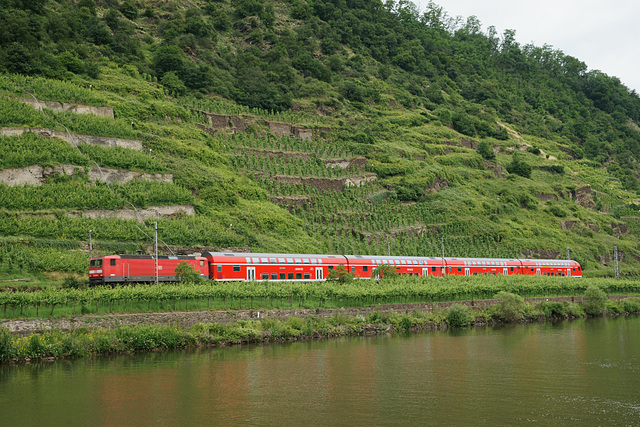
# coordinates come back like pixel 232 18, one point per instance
pixel 578 372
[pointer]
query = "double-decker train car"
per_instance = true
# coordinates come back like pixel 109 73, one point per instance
pixel 313 267
pixel 140 268
pixel 250 266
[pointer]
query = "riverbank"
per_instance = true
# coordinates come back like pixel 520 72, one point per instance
pixel 81 336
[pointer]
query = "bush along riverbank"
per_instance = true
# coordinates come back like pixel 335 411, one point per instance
pixel 510 308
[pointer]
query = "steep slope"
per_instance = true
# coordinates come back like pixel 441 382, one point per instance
pixel 374 128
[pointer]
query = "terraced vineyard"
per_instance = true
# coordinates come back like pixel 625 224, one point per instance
pixel 275 130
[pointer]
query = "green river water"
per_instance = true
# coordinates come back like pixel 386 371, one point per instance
pixel 585 372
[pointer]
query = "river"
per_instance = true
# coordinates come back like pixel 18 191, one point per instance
pixel 584 372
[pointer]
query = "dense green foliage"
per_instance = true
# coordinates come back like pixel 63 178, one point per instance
pixel 509 294
pixel 497 148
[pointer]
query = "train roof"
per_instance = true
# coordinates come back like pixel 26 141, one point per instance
pixel 136 256
pixel 268 255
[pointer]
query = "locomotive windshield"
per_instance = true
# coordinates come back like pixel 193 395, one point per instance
pixel 95 263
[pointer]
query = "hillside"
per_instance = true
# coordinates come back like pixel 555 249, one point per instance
pixel 303 126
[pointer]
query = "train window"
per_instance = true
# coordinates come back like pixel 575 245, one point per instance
pixel 220 268
pixel 298 261
pixel 331 267
pixel 265 276
pixel 274 276
pixel 298 276
pixel 433 269
pixel 256 260
pixel 265 260
pixel 289 260
pixel 532 269
pixel 512 269
pixel 290 276
pixel 314 261
pixel 281 260
pixel 283 276
pixel 307 276
pixel 273 261
pixel 112 262
pixel 306 260
pixel 236 268
pixel 365 268
pixel 95 263
pixel 353 268
pixel 201 263
pixel 459 269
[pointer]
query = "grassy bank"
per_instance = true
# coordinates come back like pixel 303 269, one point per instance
pixel 84 342
pixel 56 302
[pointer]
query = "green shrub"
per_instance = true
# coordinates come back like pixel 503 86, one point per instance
pixel 73 282
pixel 486 151
pixel 458 316
pixel 8 349
pixel 593 300
pixel 519 166
pixel 510 307
pixel 631 305
pixel 613 307
pixel 340 274
pixel 554 309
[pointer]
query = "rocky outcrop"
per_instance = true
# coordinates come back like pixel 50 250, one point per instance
pixel 357 163
pixel 584 197
pixel 74 138
pixel 546 197
pixel 540 254
pixel 291 201
pixel 437 185
pixel 273 154
pixel 327 184
pixel 73 108
pixel 280 129
pixel 224 122
pixel 35 175
pixel 139 215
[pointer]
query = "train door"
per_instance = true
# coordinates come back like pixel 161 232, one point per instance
pixel 538 271
pixel 505 271
pixel 425 272
pixel 568 272
pixel 467 272
pixel 125 271
pixel 319 273
pixel 251 273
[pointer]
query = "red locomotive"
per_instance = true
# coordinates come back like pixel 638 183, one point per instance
pixel 308 267
pixel 140 268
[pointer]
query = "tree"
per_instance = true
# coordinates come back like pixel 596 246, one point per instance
pixel 486 151
pixel 340 275
pixel 186 273
pixel 519 166
pixel 593 300
pixel 385 271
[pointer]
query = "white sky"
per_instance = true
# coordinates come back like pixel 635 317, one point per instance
pixel 604 34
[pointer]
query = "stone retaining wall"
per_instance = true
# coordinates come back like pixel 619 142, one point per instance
pixel 74 108
pixel 36 175
pixel 327 184
pixel 139 215
pixel 74 138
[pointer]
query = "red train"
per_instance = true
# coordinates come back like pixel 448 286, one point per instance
pixel 306 267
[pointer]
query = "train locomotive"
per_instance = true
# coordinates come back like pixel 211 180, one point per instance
pixel 222 266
